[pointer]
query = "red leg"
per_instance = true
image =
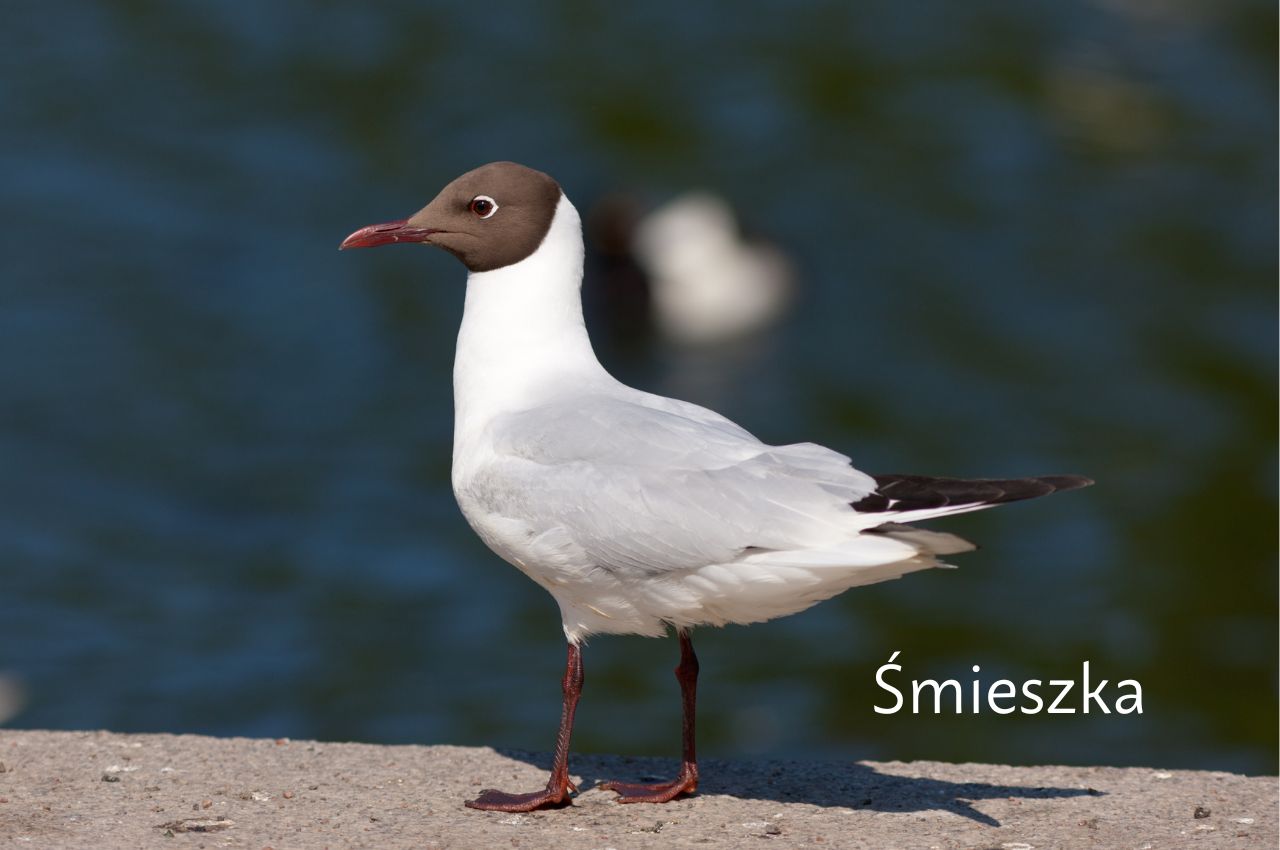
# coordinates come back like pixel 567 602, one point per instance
pixel 558 786
pixel 687 781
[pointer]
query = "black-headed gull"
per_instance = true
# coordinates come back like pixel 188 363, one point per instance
pixel 640 513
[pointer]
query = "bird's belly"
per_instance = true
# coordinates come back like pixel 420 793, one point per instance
pixel 592 599
pixel 600 595
pixel 512 540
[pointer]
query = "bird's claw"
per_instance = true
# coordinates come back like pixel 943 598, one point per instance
pixel 493 800
pixel 662 792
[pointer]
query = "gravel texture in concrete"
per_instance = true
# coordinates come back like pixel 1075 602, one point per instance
pixel 102 790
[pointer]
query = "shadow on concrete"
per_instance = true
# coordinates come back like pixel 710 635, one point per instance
pixel 850 785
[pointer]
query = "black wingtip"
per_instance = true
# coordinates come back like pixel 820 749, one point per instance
pixel 899 493
pixel 1062 483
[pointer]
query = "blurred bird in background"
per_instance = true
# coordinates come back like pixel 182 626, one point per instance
pixel 686 271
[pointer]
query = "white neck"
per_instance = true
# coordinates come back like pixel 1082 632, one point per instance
pixel 522 332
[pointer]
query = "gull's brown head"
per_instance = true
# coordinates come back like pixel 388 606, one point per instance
pixel 488 218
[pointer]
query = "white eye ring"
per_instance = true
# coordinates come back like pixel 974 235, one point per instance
pixel 483 206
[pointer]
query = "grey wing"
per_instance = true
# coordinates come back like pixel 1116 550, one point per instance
pixel 651 484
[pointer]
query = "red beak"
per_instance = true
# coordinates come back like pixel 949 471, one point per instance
pixel 386 234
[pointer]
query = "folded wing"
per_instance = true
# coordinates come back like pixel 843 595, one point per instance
pixel 653 485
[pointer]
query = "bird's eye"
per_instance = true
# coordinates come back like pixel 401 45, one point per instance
pixel 483 206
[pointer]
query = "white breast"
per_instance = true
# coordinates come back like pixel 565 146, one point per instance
pixel 522 341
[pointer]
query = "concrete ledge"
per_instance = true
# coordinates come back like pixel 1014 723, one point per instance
pixel 102 790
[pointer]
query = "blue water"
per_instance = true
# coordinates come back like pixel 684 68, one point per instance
pixel 1034 237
